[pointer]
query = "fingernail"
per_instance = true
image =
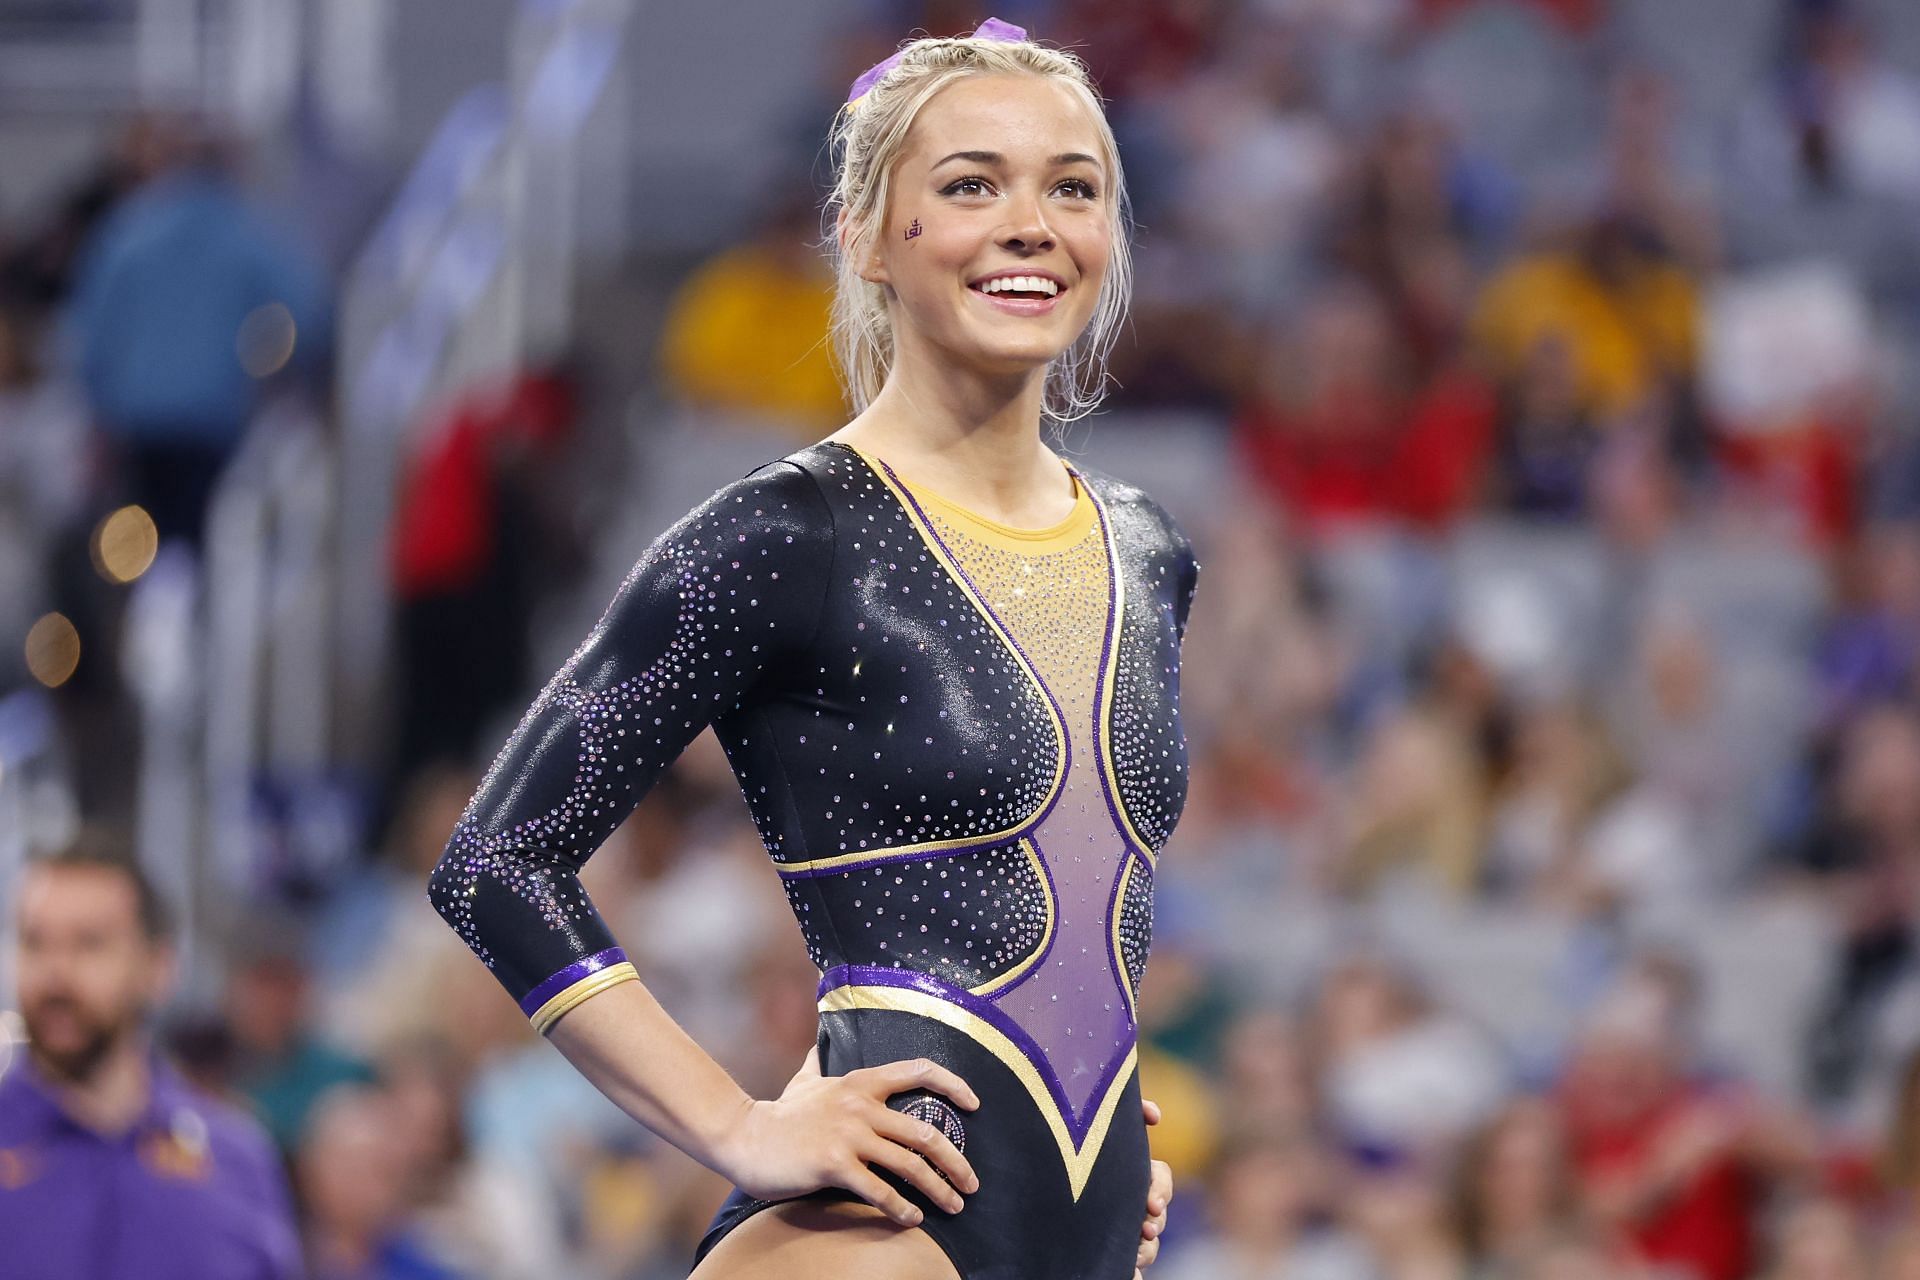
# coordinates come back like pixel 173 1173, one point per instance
pixel 913 1217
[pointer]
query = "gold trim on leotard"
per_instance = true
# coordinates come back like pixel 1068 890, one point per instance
pixel 1078 1160
pixel 960 580
pixel 1113 928
pixel 1019 971
pixel 1106 695
pixel 591 985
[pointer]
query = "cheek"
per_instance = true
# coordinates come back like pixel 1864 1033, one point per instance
pixel 1092 249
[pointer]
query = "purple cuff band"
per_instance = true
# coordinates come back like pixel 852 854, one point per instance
pixel 586 968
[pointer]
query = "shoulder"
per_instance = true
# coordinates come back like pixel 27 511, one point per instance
pixel 783 497
pixel 1129 504
pixel 236 1141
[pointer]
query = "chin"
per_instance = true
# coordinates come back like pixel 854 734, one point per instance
pixel 1008 359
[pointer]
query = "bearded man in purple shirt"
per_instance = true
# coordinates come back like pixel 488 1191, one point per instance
pixel 111 1166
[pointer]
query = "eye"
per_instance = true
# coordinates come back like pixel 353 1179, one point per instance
pixel 1081 188
pixel 954 188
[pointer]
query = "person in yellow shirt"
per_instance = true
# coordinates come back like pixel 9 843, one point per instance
pixel 1627 313
pixel 747 331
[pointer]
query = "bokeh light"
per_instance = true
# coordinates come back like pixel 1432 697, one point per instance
pixel 53 650
pixel 124 544
pixel 266 340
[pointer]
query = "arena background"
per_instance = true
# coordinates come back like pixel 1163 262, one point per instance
pixel 1535 379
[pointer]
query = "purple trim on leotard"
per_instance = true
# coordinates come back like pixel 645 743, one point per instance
pixel 1121 822
pixel 553 986
pixel 1001 629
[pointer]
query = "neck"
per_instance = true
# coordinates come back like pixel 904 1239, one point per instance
pixel 976 436
pixel 110 1096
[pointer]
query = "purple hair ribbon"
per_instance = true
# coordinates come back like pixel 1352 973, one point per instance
pixel 991 29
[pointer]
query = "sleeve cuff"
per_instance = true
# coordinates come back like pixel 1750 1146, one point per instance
pixel 583 978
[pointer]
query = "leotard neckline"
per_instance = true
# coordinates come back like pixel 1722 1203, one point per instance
pixel 1065 533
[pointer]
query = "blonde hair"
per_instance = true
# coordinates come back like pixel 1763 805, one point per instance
pixel 867 139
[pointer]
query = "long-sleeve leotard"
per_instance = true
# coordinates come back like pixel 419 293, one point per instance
pixel 960 744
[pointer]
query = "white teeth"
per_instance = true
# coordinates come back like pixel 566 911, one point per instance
pixel 1021 284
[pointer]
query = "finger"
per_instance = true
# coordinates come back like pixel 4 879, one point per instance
pixel 1148 1252
pixel 908 1164
pixel 811 1067
pixel 929 1142
pixel 920 1073
pixel 1151 1110
pixel 874 1189
pixel 1160 1186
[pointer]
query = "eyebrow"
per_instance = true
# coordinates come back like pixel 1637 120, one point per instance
pixel 995 158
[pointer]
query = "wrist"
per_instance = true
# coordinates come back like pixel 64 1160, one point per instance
pixel 723 1135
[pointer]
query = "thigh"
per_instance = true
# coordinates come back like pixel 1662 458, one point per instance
pixel 809 1240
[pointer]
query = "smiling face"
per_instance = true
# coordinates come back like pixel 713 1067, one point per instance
pixel 999 230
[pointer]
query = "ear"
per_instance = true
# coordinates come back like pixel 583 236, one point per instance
pixel 868 267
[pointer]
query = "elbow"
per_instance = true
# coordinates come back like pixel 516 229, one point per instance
pixel 451 887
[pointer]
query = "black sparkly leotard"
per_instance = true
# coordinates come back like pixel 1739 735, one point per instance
pixel 961 746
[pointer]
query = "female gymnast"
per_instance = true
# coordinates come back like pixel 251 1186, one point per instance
pixel 944 665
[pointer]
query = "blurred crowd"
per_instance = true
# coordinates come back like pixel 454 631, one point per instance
pixel 1536 382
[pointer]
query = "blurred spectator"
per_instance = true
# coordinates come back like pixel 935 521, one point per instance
pixel 1840 116
pixel 187 300
pixel 1396 1203
pixel 1266 1079
pixel 1265 1212
pixel 281 1064
pixel 1340 431
pixel 377 944
pixel 747 332
pixel 482 1216
pixel 1614 317
pixel 1565 768
pixel 1417 806
pixel 1513 1187
pixel 1547 438
pixel 1577 15
pixel 1252 125
pixel 1818 1239
pixel 1899 1256
pixel 96 1130
pixel 356 1182
pixel 482 533
pixel 1678 1163
pixel 1864 837
pixel 39 272
pixel 1867 655
pixel 1401 1076
pixel 1580 1256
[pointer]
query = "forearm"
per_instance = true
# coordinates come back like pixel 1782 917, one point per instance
pixel 634 1052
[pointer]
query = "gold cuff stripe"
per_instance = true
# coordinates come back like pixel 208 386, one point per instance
pixel 591 985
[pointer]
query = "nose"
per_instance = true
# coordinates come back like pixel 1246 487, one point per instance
pixel 1027 231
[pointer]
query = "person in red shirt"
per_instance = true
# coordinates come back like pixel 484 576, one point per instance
pixel 1677 1163
pixel 1341 434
